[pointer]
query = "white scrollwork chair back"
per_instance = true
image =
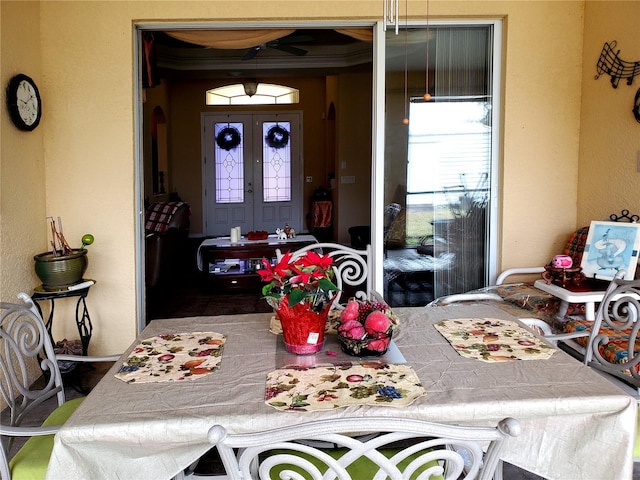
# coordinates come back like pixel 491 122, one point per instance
pixel 617 316
pixel 430 448
pixel 352 267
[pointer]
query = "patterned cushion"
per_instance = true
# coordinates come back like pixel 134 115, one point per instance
pixel 575 246
pixel 158 215
pixel 615 351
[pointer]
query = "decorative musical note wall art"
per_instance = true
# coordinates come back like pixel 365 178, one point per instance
pixel 611 64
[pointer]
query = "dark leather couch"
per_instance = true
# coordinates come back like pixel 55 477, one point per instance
pixel 166 240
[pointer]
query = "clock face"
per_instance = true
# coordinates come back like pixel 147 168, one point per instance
pixel 28 104
pixel 24 102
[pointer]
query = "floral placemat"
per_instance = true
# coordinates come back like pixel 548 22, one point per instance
pixel 173 357
pixel 332 386
pixel 493 340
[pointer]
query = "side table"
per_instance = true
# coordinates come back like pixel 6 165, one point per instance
pixel 83 321
pixel 588 297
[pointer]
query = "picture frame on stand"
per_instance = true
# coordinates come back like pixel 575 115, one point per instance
pixel 611 247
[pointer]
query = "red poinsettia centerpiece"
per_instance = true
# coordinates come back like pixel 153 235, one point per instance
pixel 306 280
pixel 300 291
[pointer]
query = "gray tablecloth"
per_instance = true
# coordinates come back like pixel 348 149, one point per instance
pixel 576 424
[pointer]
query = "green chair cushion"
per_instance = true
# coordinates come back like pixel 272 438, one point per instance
pixel 361 469
pixel 32 460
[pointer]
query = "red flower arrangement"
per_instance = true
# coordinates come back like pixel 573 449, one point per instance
pixel 300 290
pixel 306 280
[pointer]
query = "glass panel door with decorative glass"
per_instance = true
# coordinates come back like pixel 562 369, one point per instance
pixel 439 166
pixel 252 172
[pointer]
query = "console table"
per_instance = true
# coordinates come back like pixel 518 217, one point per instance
pixel 228 266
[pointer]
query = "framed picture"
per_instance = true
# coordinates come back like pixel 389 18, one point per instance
pixel 611 246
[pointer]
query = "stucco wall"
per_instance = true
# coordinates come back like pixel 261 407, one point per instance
pixel 608 177
pixel 84 64
pixel 22 173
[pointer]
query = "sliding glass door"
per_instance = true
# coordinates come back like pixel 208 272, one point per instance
pixel 440 159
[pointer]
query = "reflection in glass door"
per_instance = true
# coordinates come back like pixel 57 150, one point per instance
pixel 440 168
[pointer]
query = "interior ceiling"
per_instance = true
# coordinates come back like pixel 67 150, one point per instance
pixel 307 52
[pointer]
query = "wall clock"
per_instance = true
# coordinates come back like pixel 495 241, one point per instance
pixel 24 103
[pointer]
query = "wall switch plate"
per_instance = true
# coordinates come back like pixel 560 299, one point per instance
pixel 309 179
pixel 348 179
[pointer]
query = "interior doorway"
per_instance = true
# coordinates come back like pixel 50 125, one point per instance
pixel 252 171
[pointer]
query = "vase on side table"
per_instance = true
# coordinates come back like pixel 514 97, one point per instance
pixel 302 328
pixel 58 271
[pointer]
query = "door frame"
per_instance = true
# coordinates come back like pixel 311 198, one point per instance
pixel 377 125
pixel 138 98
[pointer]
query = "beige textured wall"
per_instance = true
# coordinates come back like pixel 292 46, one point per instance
pixel 22 185
pixel 608 179
pixel 85 64
pixel 22 169
pixel 354 149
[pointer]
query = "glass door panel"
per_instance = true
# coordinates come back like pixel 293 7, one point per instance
pixel 439 165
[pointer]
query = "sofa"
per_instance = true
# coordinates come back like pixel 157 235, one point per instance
pixel 166 239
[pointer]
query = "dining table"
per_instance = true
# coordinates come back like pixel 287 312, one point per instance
pixel 575 423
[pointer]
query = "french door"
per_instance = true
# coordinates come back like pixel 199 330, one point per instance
pixel 251 171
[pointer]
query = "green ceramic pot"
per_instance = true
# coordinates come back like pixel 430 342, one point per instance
pixel 60 271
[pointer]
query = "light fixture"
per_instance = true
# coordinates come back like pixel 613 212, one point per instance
pixel 250 88
pixel 252 93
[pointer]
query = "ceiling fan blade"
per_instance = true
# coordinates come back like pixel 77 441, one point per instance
pixel 295 38
pixel 252 53
pixel 291 49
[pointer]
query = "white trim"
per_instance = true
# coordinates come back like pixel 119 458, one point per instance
pixel 496 150
pixel 377 149
pixel 138 112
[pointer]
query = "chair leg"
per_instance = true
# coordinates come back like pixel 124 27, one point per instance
pixel 498 473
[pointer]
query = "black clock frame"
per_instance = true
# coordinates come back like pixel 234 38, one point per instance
pixel 12 102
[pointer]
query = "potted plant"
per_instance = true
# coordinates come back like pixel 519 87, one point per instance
pixel 300 291
pixel 63 265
